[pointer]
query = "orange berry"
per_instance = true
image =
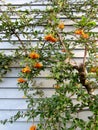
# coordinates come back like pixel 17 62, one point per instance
pixel 53 39
pixel 79 32
pixel 50 38
pixel 34 55
pixel 61 25
pixel 33 127
pixel 26 69
pixel 21 80
pixel 85 35
pixel 38 65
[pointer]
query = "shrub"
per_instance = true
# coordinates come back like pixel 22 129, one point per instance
pixel 55 50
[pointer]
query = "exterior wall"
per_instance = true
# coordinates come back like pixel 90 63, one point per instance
pixel 11 99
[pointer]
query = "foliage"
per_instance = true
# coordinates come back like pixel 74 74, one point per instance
pixel 55 47
pixel 5 63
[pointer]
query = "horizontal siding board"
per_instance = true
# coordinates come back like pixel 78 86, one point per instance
pixel 42 29
pixel 17 2
pixel 19 103
pixel 16 126
pixel 6 45
pixel 12 82
pixel 9 46
pixel 77 53
pixel 22 126
pixel 67 22
pixel 13 104
pixel 10 93
pixel 16 94
pixel 14 73
pixel 27 7
pixel 8 113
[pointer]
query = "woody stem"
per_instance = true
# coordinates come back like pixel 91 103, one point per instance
pixel 60 38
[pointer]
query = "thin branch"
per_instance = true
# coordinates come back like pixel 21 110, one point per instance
pixel 61 41
pixel 20 42
pixel 73 63
pixel 64 47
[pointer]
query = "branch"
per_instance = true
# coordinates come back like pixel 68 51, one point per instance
pixel 80 68
pixel 83 81
pixel 61 41
pixel 64 47
pixel 20 42
pixel 73 63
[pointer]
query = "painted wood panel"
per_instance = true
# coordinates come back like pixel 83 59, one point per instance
pixel 12 82
pixel 16 126
pixel 16 94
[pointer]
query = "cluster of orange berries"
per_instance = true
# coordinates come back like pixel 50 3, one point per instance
pixel 26 69
pixel 21 80
pixel 34 55
pixel 33 127
pixel 38 65
pixel 61 25
pixel 50 37
pixel 82 33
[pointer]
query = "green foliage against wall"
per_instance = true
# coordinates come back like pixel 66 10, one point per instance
pixel 54 49
pixel 5 62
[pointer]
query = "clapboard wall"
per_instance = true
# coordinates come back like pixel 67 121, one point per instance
pixel 11 99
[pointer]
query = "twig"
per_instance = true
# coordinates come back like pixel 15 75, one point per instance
pixel 61 41
pixel 20 41
pixel 64 47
